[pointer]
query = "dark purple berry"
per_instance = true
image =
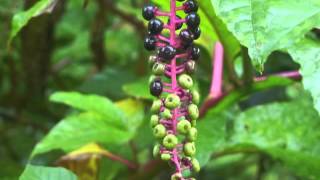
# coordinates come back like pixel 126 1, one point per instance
pixel 190 6
pixel 167 52
pixel 148 12
pixel 150 43
pixel 178 25
pixel 156 87
pixel 186 36
pixel 194 52
pixel 155 26
pixel 196 33
pixel 193 20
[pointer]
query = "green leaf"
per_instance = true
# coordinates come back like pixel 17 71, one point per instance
pixel 264 25
pixel 307 54
pixel 21 19
pixel 46 173
pixel 78 130
pixel 138 89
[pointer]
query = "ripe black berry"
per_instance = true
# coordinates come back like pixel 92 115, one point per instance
pixel 156 87
pixel 167 52
pixel 190 6
pixel 150 43
pixel 193 20
pixel 148 12
pixel 178 25
pixel 186 36
pixel 194 52
pixel 155 26
pixel 196 33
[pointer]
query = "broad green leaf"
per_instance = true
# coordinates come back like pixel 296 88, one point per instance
pixel 21 19
pixel 307 54
pixel 46 173
pixel 267 25
pixel 78 130
pixel 138 89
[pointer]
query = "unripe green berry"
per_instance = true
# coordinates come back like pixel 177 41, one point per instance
pixel 154 120
pixel 176 176
pixel 152 60
pixel 189 149
pixel 193 111
pixel 185 81
pixel 195 165
pixel 156 150
pixel 183 126
pixel 170 141
pixel 193 123
pixel 159 131
pixel 152 78
pixel 192 134
pixel 172 101
pixel 166 114
pixel 165 156
pixel 156 105
pixel 158 68
pixel 195 96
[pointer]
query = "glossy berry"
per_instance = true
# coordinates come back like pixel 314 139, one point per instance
pixel 183 126
pixel 192 134
pixel 159 131
pixel 156 87
pixel 196 33
pixel 148 12
pixel 167 52
pixel 166 156
pixel 170 141
pixel 155 26
pixel 156 105
pixel 189 149
pixel 186 36
pixel 154 120
pixel 195 96
pixel 152 60
pixel 185 81
pixel 172 101
pixel 193 20
pixel 194 52
pixel 195 165
pixel 166 114
pixel 190 66
pixel 150 43
pixel 158 68
pixel 193 111
pixel 178 25
pixel 190 6
pixel 176 176
pixel 156 150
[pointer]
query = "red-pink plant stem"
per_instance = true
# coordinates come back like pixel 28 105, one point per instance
pixel 288 74
pixel 174 85
pixel 160 13
pixel 217 63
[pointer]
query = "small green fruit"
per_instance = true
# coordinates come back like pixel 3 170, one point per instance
pixel 195 96
pixel 185 81
pixel 189 149
pixel 159 131
pixel 195 165
pixel 158 68
pixel 170 141
pixel 156 105
pixel 166 114
pixel 194 123
pixel 193 111
pixel 192 134
pixel 183 126
pixel 165 156
pixel 152 60
pixel 154 120
pixel 172 101
pixel 176 176
pixel 156 150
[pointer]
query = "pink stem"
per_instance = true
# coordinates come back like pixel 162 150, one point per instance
pixel 179 8
pixel 180 21
pixel 160 13
pixel 162 38
pixel 289 74
pixel 216 84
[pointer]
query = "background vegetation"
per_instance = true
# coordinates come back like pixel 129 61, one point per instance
pixel 75 101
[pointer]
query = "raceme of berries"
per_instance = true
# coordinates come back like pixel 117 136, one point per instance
pixel 175 111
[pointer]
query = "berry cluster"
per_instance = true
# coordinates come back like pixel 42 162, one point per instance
pixel 175 111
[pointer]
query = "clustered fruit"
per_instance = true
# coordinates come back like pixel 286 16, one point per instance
pixel 175 110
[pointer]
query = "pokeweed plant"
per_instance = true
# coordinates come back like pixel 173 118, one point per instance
pixel 174 111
